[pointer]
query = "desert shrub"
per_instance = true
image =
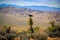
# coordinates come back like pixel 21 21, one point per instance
pixel 10 36
pixel 36 29
pixel 53 30
pixel 3 31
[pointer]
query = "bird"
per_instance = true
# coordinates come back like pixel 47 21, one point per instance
pixel 30 15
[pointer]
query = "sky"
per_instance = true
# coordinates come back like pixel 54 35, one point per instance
pixel 50 3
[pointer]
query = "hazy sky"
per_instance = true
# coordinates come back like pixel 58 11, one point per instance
pixel 51 3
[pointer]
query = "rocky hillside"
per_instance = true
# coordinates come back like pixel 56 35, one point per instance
pixel 12 15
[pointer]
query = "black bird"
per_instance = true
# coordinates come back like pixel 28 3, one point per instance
pixel 30 15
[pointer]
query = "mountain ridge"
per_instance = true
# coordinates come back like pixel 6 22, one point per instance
pixel 39 8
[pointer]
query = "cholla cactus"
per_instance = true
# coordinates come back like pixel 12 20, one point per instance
pixel 31 23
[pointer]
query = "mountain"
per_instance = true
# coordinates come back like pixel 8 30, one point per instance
pixel 18 15
pixel 43 8
pixel 40 8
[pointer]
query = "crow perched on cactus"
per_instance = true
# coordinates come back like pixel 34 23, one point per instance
pixel 31 23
